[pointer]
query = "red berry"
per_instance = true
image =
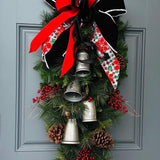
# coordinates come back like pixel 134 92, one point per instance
pixel 125 111
pixel 120 105
pixel 109 102
pixel 93 158
pixel 47 87
pixel 78 158
pixel 118 92
pixel 37 101
pixel 124 107
pixel 68 117
pixel 113 103
pixel 43 98
pixel 39 91
pixel 89 99
pixel 34 100
pixel 120 109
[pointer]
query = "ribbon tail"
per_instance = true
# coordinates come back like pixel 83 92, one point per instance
pixel 69 57
pixel 50 27
pixel 110 65
pixel 107 27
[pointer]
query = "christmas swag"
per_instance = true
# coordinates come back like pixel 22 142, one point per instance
pixel 84 56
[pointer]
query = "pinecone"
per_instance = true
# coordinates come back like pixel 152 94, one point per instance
pixel 102 139
pixel 56 133
pixel 121 60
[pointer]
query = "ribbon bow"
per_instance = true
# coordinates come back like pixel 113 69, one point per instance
pixel 57 36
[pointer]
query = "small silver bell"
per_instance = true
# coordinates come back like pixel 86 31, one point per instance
pixel 82 69
pixel 89 114
pixel 71 133
pixel 72 92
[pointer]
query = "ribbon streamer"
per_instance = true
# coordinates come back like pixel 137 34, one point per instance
pixel 105 33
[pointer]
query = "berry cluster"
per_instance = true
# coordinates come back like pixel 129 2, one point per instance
pixel 90 98
pixel 47 92
pixel 85 154
pixel 115 101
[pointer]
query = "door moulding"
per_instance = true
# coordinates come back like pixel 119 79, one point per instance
pixel 21 144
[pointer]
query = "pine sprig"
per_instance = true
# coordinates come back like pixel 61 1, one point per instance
pixel 47 17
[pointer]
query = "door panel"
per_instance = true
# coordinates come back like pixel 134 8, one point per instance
pixel 128 132
pixel 22 133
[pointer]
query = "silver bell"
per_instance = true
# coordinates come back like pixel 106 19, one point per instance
pixel 72 92
pixel 89 114
pixel 71 133
pixel 82 69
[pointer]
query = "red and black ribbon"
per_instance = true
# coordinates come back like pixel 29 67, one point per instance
pixel 75 12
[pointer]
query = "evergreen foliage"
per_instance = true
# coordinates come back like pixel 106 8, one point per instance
pixel 96 85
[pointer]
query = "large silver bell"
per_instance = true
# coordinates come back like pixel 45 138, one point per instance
pixel 71 133
pixel 72 92
pixel 82 69
pixel 89 114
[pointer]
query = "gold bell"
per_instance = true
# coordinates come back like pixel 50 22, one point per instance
pixel 71 133
pixel 82 69
pixel 89 114
pixel 72 92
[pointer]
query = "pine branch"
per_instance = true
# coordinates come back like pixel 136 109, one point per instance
pixel 99 86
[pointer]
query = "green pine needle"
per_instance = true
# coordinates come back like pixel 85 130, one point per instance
pixel 53 111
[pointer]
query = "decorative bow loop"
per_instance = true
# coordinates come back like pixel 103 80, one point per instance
pixel 50 27
pixel 57 36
